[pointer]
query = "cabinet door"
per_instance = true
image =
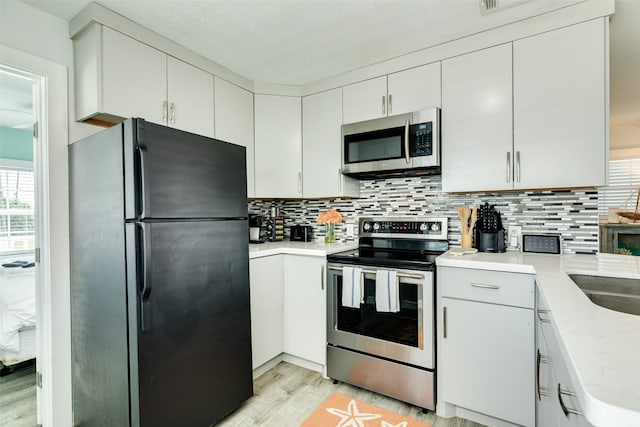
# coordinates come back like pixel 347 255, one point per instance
pixel 265 275
pixel 477 121
pixel 560 99
pixel 234 122
pixel 321 147
pixel 278 147
pixel 190 97
pixel 134 78
pixel 305 307
pixel 488 355
pixel 415 89
pixel 365 100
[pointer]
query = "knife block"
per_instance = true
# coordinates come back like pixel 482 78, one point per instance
pixel 489 242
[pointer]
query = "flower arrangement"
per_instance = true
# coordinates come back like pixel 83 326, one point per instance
pixel 330 216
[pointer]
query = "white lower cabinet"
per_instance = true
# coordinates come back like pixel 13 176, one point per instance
pixel 288 308
pixel 305 310
pixel 487 344
pixel 558 403
pixel 267 332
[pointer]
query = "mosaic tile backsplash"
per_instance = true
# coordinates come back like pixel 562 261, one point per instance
pixel 571 213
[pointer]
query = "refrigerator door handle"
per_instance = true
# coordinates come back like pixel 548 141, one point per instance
pixel 145 268
pixel 144 194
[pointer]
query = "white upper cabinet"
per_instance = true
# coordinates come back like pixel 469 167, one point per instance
pixel 477 132
pixel 557 136
pixel 410 90
pixel 365 100
pixel 278 146
pixel 560 106
pixel 134 78
pixel 118 77
pixel 322 147
pixel 414 89
pixel 190 98
pixel 234 122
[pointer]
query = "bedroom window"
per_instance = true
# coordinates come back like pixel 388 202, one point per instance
pixel 17 216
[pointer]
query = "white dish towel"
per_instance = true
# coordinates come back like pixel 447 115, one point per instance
pixel 387 292
pixel 352 287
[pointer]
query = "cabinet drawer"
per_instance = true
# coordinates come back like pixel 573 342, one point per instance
pixel 487 286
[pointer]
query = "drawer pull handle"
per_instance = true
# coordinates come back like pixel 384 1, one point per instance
pixel 483 286
pixel 444 322
pixel 566 410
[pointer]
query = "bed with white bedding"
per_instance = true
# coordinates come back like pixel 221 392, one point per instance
pixel 17 315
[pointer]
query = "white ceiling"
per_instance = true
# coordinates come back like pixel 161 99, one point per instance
pixel 298 42
pixel 301 41
pixel 16 99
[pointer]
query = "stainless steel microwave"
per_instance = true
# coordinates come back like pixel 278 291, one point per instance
pixel 401 145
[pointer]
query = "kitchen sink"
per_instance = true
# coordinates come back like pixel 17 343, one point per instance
pixel 615 293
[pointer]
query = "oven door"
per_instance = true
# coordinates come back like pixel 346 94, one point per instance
pixel 406 336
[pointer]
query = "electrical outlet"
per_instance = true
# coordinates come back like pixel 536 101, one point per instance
pixel 514 239
pixel 350 229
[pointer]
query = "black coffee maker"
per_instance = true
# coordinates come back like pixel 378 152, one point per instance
pixel 489 233
pixel 255 227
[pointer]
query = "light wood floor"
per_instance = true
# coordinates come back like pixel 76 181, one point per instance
pixel 284 397
pixel 18 397
pixel 287 394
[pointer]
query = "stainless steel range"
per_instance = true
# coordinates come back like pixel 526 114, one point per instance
pixel 388 345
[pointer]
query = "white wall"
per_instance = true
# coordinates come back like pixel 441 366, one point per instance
pixel 36 33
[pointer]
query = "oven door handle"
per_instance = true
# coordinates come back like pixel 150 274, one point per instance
pixel 403 275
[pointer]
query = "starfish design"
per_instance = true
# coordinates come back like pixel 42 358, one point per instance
pixel 352 417
pixel 402 424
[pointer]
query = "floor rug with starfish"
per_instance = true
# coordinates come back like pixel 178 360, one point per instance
pixel 339 410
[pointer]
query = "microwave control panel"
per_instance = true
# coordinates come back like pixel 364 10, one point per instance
pixel 421 143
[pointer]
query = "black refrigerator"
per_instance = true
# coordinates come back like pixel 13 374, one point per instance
pixel 160 319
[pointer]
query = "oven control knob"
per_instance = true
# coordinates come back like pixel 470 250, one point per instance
pixel 376 226
pixel 366 226
pixel 435 226
pixel 423 227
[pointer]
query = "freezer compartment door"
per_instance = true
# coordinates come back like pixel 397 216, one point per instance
pixel 193 321
pixel 176 174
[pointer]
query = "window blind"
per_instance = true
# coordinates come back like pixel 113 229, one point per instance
pixel 17 202
pixel 622 191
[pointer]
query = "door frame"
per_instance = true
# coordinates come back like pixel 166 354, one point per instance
pixel 53 348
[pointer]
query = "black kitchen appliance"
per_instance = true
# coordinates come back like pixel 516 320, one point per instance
pixel 255 228
pixel 379 350
pixel 301 233
pixel 489 232
pixel 160 319
pixel 398 145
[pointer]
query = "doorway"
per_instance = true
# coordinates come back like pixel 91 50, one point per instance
pixel 20 186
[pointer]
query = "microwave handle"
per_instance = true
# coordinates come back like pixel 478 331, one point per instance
pixel 406 141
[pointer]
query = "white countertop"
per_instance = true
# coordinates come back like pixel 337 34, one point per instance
pixel 601 347
pixel 257 250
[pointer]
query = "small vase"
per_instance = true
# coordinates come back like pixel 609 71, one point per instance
pixel 329 234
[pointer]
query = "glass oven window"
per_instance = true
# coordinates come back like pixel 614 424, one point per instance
pixel 384 144
pixel 401 327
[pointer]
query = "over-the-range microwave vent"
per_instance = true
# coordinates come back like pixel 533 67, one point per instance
pixel 397 173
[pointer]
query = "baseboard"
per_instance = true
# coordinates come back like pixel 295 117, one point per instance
pixel 312 366
pixel 267 365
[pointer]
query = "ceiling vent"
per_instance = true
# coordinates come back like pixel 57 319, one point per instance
pixel 490 6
